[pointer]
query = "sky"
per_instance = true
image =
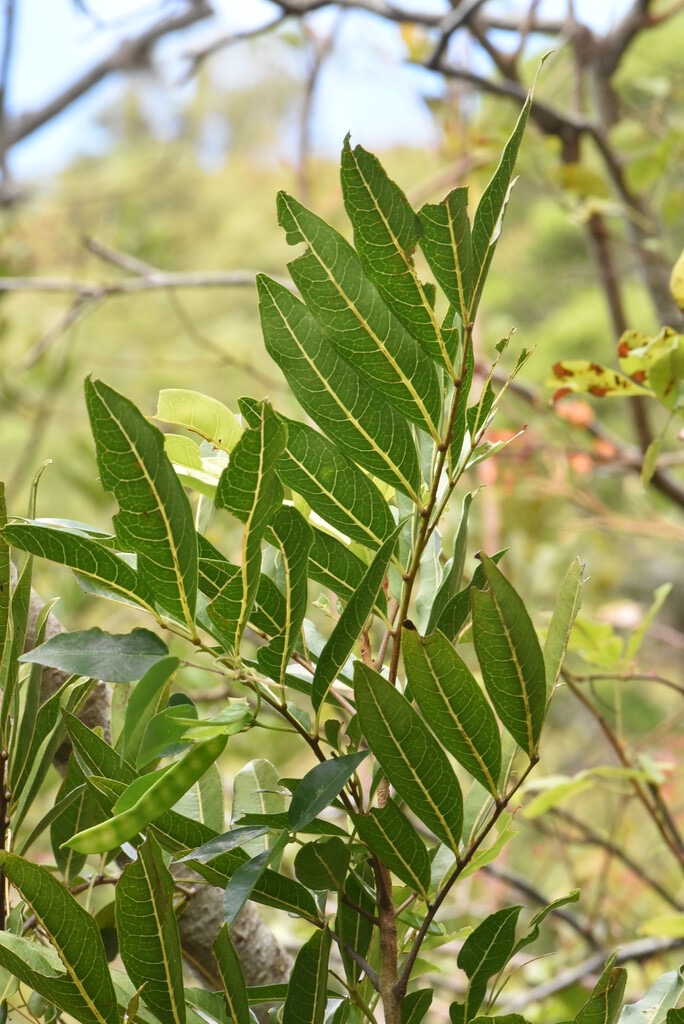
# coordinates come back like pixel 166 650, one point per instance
pixel 365 89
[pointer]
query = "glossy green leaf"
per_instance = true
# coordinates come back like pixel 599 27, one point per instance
pixel 451 701
pixel 201 414
pixel 415 765
pixel 388 833
pixel 148 932
pixel 386 231
pixel 251 491
pixel 510 657
pixel 367 429
pixel 604 1004
pixel 307 992
pixel 356 613
pixel 73 933
pixel 154 519
pixel 92 561
pixel 564 614
pixel 322 865
pixel 484 953
pixel 234 987
pixel 446 245
pixel 320 786
pixel 112 657
pixel 293 537
pixel 352 315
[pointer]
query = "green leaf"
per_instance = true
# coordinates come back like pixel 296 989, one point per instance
pixel 565 612
pixel 205 800
pixel 234 987
pixel 232 840
pixel 256 790
pixel 393 839
pixel 661 997
pixel 415 765
pixel 323 865
pixel 320 786
pixel 485 952
pixel 205 416
pixel 148 932
pixel 451 700
pixel 355 915
pixel 73 933
pixel 367 429
pixel 13 645
pixel 154 519
pixel 93 562
pixel 353 316
pixel 333 565
pixel 81 812
pixel 293 537
pixel 604 1004
pixel 143 704
pixel 541 915
pixel 356 613
pixel 446 245
pixel 455 614
pixel 510 657
pixel 250 489
pixel 453 573
pixel 111 657
pixel 386 231
pixel 244 880
pixel 315 468
pixel 490 210
pixel 307 992
pixel 416 1005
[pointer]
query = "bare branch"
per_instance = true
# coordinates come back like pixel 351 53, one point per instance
pixel 197 57
pixel 129 54
pixel 152 281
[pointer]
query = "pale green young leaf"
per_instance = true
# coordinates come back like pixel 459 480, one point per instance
pixel 234 988
pixel 154 519
pixel 356 613
pixel 389 834
pixel 386 231
pixel 149 942
pixel 73 933
pixel 112 657
pixel 307 991
pixel 143 704
pixel 565 611
pixel 446 245
pixel 414 763
pixel 366 427
pixel 293 537
pixel 353 316
pixel 331 484
pixel 451 701
pixel 249 488
pixel 653 1007
pixel 88 558
pixel 201 414
pixel 510 657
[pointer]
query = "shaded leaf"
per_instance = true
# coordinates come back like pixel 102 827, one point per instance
pixel 243 881
pixel 394 840
pixel 414 764
pixel 510 657
pixel 111 657
pixel 322 865
pixel 307 991
pixel 355 914
pixel 485 952
pixel 234 987
pixel 320 786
